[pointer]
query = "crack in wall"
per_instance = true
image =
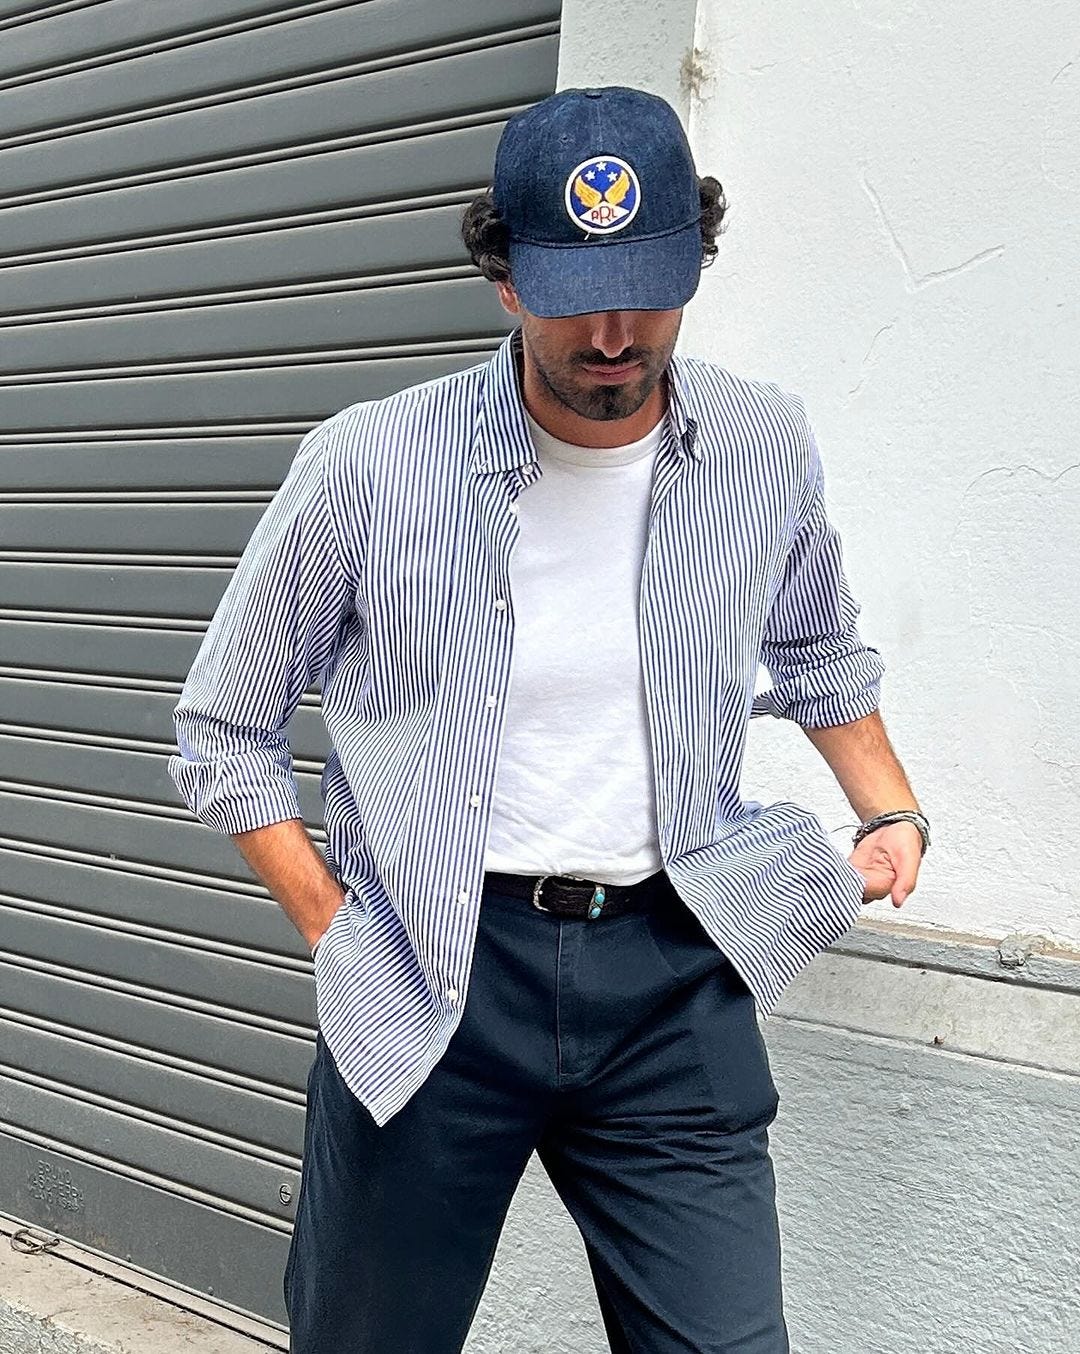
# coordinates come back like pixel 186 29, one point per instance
pixel 917 281
pixel 865 375
pixel 1010 470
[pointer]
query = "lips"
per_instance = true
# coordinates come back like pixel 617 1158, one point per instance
pixel 613 375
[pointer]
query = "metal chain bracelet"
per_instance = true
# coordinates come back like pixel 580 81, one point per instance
pixel 896 816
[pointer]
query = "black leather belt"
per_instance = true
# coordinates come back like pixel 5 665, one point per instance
pixel 565 896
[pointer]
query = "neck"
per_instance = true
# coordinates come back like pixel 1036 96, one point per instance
pixel 561 422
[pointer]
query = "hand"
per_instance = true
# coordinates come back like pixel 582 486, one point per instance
pixel 315 939
pixel 889 861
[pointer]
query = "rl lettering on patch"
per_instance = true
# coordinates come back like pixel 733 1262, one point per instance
pixel 602 195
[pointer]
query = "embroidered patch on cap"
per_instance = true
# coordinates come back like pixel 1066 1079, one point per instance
pixel 602 195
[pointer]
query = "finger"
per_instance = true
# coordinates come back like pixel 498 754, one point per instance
pixel 866 885
pixel 907 870
pixel 879 883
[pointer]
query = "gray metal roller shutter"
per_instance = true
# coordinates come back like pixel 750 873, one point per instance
pixel 220 221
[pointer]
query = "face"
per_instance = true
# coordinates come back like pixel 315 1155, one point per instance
pixel 603 365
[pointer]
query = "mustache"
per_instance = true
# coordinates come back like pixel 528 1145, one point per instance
pixel 598 359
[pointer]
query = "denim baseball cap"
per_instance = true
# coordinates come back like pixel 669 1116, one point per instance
pixel 600 195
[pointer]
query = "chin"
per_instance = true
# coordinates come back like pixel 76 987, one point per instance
pixel 606 404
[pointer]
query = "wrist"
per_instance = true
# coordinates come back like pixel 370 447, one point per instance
pixel 913 816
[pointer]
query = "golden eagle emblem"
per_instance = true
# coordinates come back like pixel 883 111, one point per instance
pixel 602 195
pixel 591 197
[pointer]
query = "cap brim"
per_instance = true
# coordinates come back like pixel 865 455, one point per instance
pixel 607 274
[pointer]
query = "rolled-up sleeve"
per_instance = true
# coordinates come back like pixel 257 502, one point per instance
pixel 274 632
pixel 822 672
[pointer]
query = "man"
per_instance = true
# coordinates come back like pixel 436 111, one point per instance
pixel 536 595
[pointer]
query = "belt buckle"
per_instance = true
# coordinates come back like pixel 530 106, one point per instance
pixel 537 890
pixel 596 904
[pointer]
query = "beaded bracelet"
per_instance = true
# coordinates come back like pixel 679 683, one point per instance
pixel 896 816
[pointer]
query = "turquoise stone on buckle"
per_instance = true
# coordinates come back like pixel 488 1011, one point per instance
pixel 597 905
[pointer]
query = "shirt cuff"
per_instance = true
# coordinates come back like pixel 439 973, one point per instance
pixel 237 795
pixel 836 693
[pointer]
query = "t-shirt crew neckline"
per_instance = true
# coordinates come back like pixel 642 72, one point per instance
pixel 597 458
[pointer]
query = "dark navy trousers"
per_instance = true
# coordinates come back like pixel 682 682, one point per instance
pixel 627 1053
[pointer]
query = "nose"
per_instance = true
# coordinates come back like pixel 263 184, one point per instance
pixel 612 332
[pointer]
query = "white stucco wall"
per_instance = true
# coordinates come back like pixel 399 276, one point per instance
pixel 647 44
pixel 901 248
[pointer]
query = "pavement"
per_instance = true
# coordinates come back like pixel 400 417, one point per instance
pixel 65 1301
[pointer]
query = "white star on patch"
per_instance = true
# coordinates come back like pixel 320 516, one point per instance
pixel 612 176
pixel 601 164
pixel 591 174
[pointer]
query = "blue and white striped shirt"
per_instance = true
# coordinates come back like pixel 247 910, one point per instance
pixel 382 571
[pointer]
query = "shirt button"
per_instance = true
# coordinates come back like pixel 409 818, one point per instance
pixel 452 993
pixel 500 603
pixel 475 801
pixel 463 897
pixel 513 507
pixel 491 702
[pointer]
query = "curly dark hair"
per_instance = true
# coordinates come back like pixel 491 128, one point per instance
pixel 485 234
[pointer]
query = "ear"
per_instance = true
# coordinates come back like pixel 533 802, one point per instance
pixel 508 297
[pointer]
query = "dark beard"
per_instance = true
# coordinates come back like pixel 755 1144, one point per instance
pixel 604 403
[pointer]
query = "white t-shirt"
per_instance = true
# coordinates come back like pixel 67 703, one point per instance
pixel 574 792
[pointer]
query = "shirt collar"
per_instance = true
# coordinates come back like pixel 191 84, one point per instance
pixel 501 439
pixel 681 411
